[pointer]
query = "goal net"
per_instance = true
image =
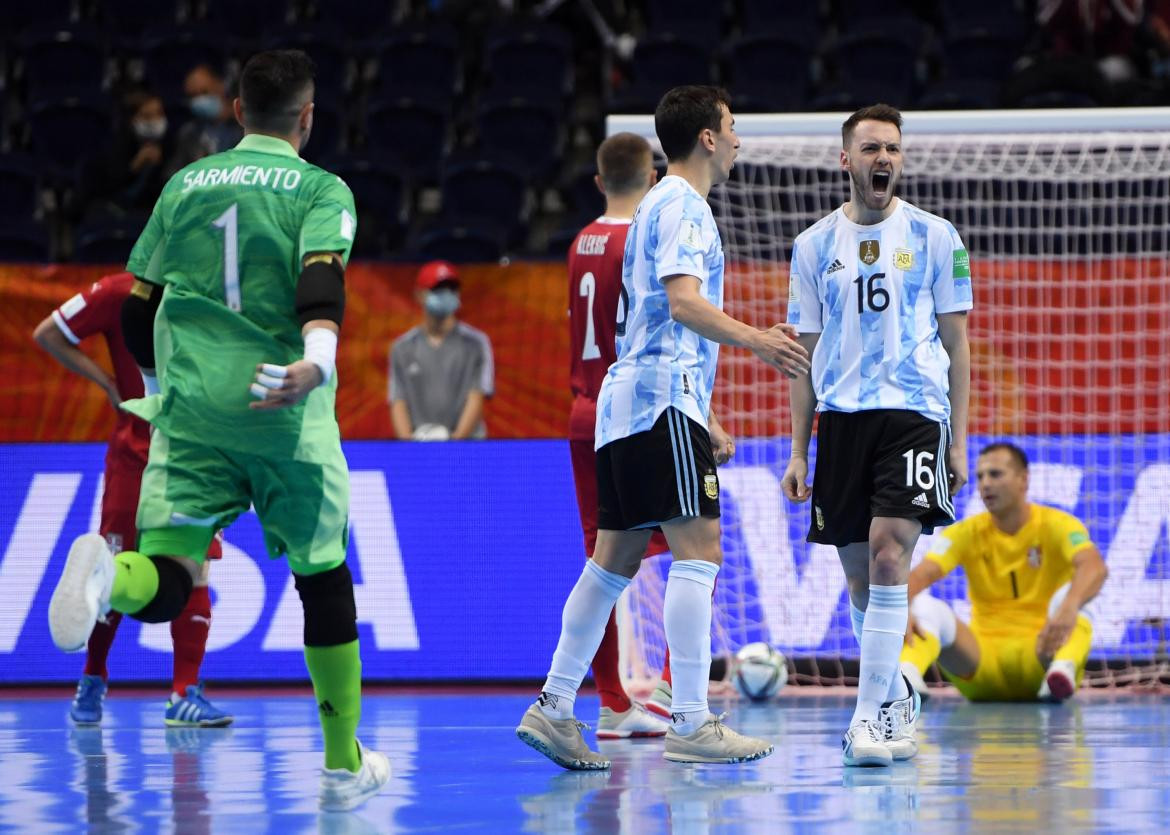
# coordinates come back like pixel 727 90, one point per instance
pixel 1066 216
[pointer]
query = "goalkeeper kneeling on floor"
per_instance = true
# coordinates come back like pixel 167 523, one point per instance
pixel 1030 571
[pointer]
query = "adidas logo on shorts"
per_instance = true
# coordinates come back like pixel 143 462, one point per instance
pixel 835 266
pixel 921 501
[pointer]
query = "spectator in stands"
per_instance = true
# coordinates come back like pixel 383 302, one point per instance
pixel 441 370
pixel 214 127
pixel 130 174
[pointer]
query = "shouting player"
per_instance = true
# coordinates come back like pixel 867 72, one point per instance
pixel 625 166
pixel 98 309
pixel 879 291
pixel 1030 571
pixel 658 442
pixel 238 301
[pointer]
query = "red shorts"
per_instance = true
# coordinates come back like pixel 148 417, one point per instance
pixel 585 475
pixel 120 509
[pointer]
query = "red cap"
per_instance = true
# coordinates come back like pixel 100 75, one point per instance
pixel 433 273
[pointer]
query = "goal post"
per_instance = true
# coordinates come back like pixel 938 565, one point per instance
pixel 1066 215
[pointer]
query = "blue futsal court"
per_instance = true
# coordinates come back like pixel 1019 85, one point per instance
pixel 1100 763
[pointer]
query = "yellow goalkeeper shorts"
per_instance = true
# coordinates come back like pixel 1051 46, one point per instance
pixel 1009 670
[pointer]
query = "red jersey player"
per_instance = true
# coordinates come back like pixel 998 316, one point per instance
pixel 625 173
pixel 98 309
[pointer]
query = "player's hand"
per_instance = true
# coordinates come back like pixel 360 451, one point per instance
pixel 722 444
pixel 1055 633
pixel 778 347
pixel 957 464
pixel 794 484
pixel 280 386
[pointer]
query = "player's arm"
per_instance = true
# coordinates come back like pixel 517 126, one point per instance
pixel 320 307
pixel 400 418
pixel 49 336
pixel 470 417
pixel 775 346
pixel 952 331
pixel 794 484
pixel 138 312
pixel 1089 573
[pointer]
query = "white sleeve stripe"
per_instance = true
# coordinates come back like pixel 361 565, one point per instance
pixel 59 320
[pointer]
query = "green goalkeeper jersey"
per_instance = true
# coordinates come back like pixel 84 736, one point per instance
pixel 225 241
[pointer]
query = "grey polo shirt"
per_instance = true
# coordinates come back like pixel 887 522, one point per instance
pixel 435 381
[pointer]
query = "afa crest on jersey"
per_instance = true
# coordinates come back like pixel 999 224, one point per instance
pixel 903 259
pixel 711 486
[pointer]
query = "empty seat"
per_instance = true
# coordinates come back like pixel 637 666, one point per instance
pixel 20 187
pixel 461 243
pixel 411 130
pixel 26 241
pixel 62 61
pixel 419 61
pixel 529 58
pixel 106 240
pixel 527 130
pixel 768 72
pixel 484 190
pixel 65 133
pixel 169 53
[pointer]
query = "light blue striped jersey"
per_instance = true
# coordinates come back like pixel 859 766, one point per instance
pixel 874 294
pixel 661 363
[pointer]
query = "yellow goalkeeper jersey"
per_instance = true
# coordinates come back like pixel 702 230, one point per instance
pixel 1011 577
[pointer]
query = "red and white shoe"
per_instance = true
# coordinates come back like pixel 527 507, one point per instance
pixel 635 723
pixel 660 700
pixel 1060 681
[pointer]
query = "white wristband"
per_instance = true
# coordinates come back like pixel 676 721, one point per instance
pixel 149 383
pixel 321 350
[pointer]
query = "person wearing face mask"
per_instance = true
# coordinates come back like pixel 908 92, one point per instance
pixel 441 371
pixel 212 128
pixel 129 176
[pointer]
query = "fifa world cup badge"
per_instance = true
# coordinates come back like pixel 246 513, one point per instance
pixel 1035 555
pixel 869 252
pixel 711 486
pixel 820 517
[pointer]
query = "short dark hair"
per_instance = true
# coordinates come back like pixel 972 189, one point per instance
pixel 622 162
pixel 1017 454
pixel 876 112
pixel 685 111
pixel 273 86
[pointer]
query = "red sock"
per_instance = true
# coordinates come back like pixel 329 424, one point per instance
pixel 98 648
pixel 189 632
pixel 605 670
pixel 666 667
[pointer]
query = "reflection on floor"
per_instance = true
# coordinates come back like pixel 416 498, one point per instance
pixel 1095 764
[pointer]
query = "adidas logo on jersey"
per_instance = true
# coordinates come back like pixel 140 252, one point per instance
pixel 835 266
pixel 921 501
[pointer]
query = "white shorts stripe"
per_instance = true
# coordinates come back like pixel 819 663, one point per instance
pixel 685 427
pixel 678 468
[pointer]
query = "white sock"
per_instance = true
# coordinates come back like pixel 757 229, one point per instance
pixel 857 618
pixel 935 617
pixel 881 644
pixel 582 627
pixel 686 617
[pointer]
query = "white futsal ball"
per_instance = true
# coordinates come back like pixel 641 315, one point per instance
pixel 760 671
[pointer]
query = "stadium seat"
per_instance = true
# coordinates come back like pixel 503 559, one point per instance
pixel 484 189
pixel 458 242
pixel 855 15
pixel 62 61
pixel 327 47
pixel 1002 16
pixel 768 72
pixel 20 187
pixel 581 193
pixel 420 61
pixel 106 240
pixel 380 189
pixel 26 241
pixel 170 53
pixel 414 131
pixel 1058 98
pixel 22 15
pixel 529 58
pixel 691 18
pixel 329 130
pixel 128 19
pixel 978 55
pixel 524 129
pixel 795 18
pixel 246 20
pixel 659 63
pixel 65 133
pixel 960 95
pixel 359 19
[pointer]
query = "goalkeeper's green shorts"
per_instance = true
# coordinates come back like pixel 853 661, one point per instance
pixel 190 490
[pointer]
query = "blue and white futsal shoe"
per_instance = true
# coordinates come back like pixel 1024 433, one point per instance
pixel 193 710
pixel 865 744
pixel 900 720
pixel 87 704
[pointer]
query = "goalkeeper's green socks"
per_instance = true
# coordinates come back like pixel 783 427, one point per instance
pixel 337 683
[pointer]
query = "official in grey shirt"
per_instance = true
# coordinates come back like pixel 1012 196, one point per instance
pixel 440 370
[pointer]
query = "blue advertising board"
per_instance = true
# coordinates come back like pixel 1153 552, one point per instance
pixel 462 554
